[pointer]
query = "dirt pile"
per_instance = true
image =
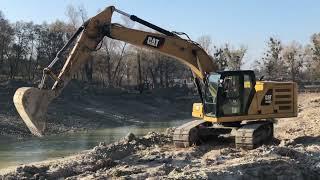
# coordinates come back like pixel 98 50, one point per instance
pixel 153 156
pixel 100 157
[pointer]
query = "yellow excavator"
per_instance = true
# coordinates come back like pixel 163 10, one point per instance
pixel 232 102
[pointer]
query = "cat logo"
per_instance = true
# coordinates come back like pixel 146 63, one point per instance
pixel 154 41
pixel 267 99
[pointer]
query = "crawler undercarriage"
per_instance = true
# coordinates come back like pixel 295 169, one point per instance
pixel 248 135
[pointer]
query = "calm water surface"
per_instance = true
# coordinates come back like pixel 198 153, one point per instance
pixel 15 152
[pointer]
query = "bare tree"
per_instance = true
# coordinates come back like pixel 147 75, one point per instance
pixel 293 57
pixel 19 49
pixel 315 47
pixel 73 16
pixel 116 72
pixel 82 12
pixel 234 57
pixel 225 56
pixel 206 43
pixel 6 38
pixel 76 17
pixel 140 80
pixel 312 52
pixel 272 63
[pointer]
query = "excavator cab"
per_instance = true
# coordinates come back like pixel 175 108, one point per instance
pixel 228 93
pixel 235 100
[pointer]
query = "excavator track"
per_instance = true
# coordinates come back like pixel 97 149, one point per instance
pixel 196 132
pixel 254 134
pixel 187 134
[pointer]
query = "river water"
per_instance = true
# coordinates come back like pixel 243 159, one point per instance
pixel 15 152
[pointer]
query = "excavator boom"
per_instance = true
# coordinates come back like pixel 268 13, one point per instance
pixel 32 103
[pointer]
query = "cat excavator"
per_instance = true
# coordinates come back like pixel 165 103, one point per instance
pixel 232 102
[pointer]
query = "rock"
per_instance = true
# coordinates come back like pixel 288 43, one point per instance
pixel 169 131
pixel 31 169
pixel 130 137
pixel 142 147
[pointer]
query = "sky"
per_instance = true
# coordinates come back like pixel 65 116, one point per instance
pixel 247 22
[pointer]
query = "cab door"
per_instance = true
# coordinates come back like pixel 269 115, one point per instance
pixel 235 93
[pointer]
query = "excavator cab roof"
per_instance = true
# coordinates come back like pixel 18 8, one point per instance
pixel 235 72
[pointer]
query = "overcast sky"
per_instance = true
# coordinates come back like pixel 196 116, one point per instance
pixel 247 22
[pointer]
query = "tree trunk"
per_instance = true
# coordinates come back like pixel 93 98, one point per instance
pixel 154 79
pixel 118 63
pixel 166 74
pixel 109 70
pixel 140 85
pixel 128 75
pixel 89 70
pixel 160 72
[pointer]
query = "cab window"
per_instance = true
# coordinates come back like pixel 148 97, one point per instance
pixel 231 95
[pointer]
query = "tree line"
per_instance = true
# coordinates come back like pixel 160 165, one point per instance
pixel 26 48
pixel 292 61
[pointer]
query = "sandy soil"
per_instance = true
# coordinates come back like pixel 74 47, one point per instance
pixel 294 154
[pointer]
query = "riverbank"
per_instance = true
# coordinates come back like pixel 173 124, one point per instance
pixel 294 154
pixel 14 152
pixel 84 107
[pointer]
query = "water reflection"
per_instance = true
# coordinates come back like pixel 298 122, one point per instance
pixel 15 152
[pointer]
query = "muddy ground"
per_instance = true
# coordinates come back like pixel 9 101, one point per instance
pixel 294 154
pixel 84 107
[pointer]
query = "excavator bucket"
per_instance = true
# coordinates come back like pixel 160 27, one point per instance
pixel 32 104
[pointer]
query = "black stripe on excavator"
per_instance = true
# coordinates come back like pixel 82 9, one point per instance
pixel 197 82
pixel 65 47
pixel 152 26
pixel 73 37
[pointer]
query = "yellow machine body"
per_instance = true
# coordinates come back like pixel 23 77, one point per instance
pixel 270 100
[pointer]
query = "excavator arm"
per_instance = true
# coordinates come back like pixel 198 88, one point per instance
pixel 32 103
pixel 183 50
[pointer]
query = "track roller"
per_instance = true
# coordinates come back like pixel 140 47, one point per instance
pixel 195 133
pixel 254 134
